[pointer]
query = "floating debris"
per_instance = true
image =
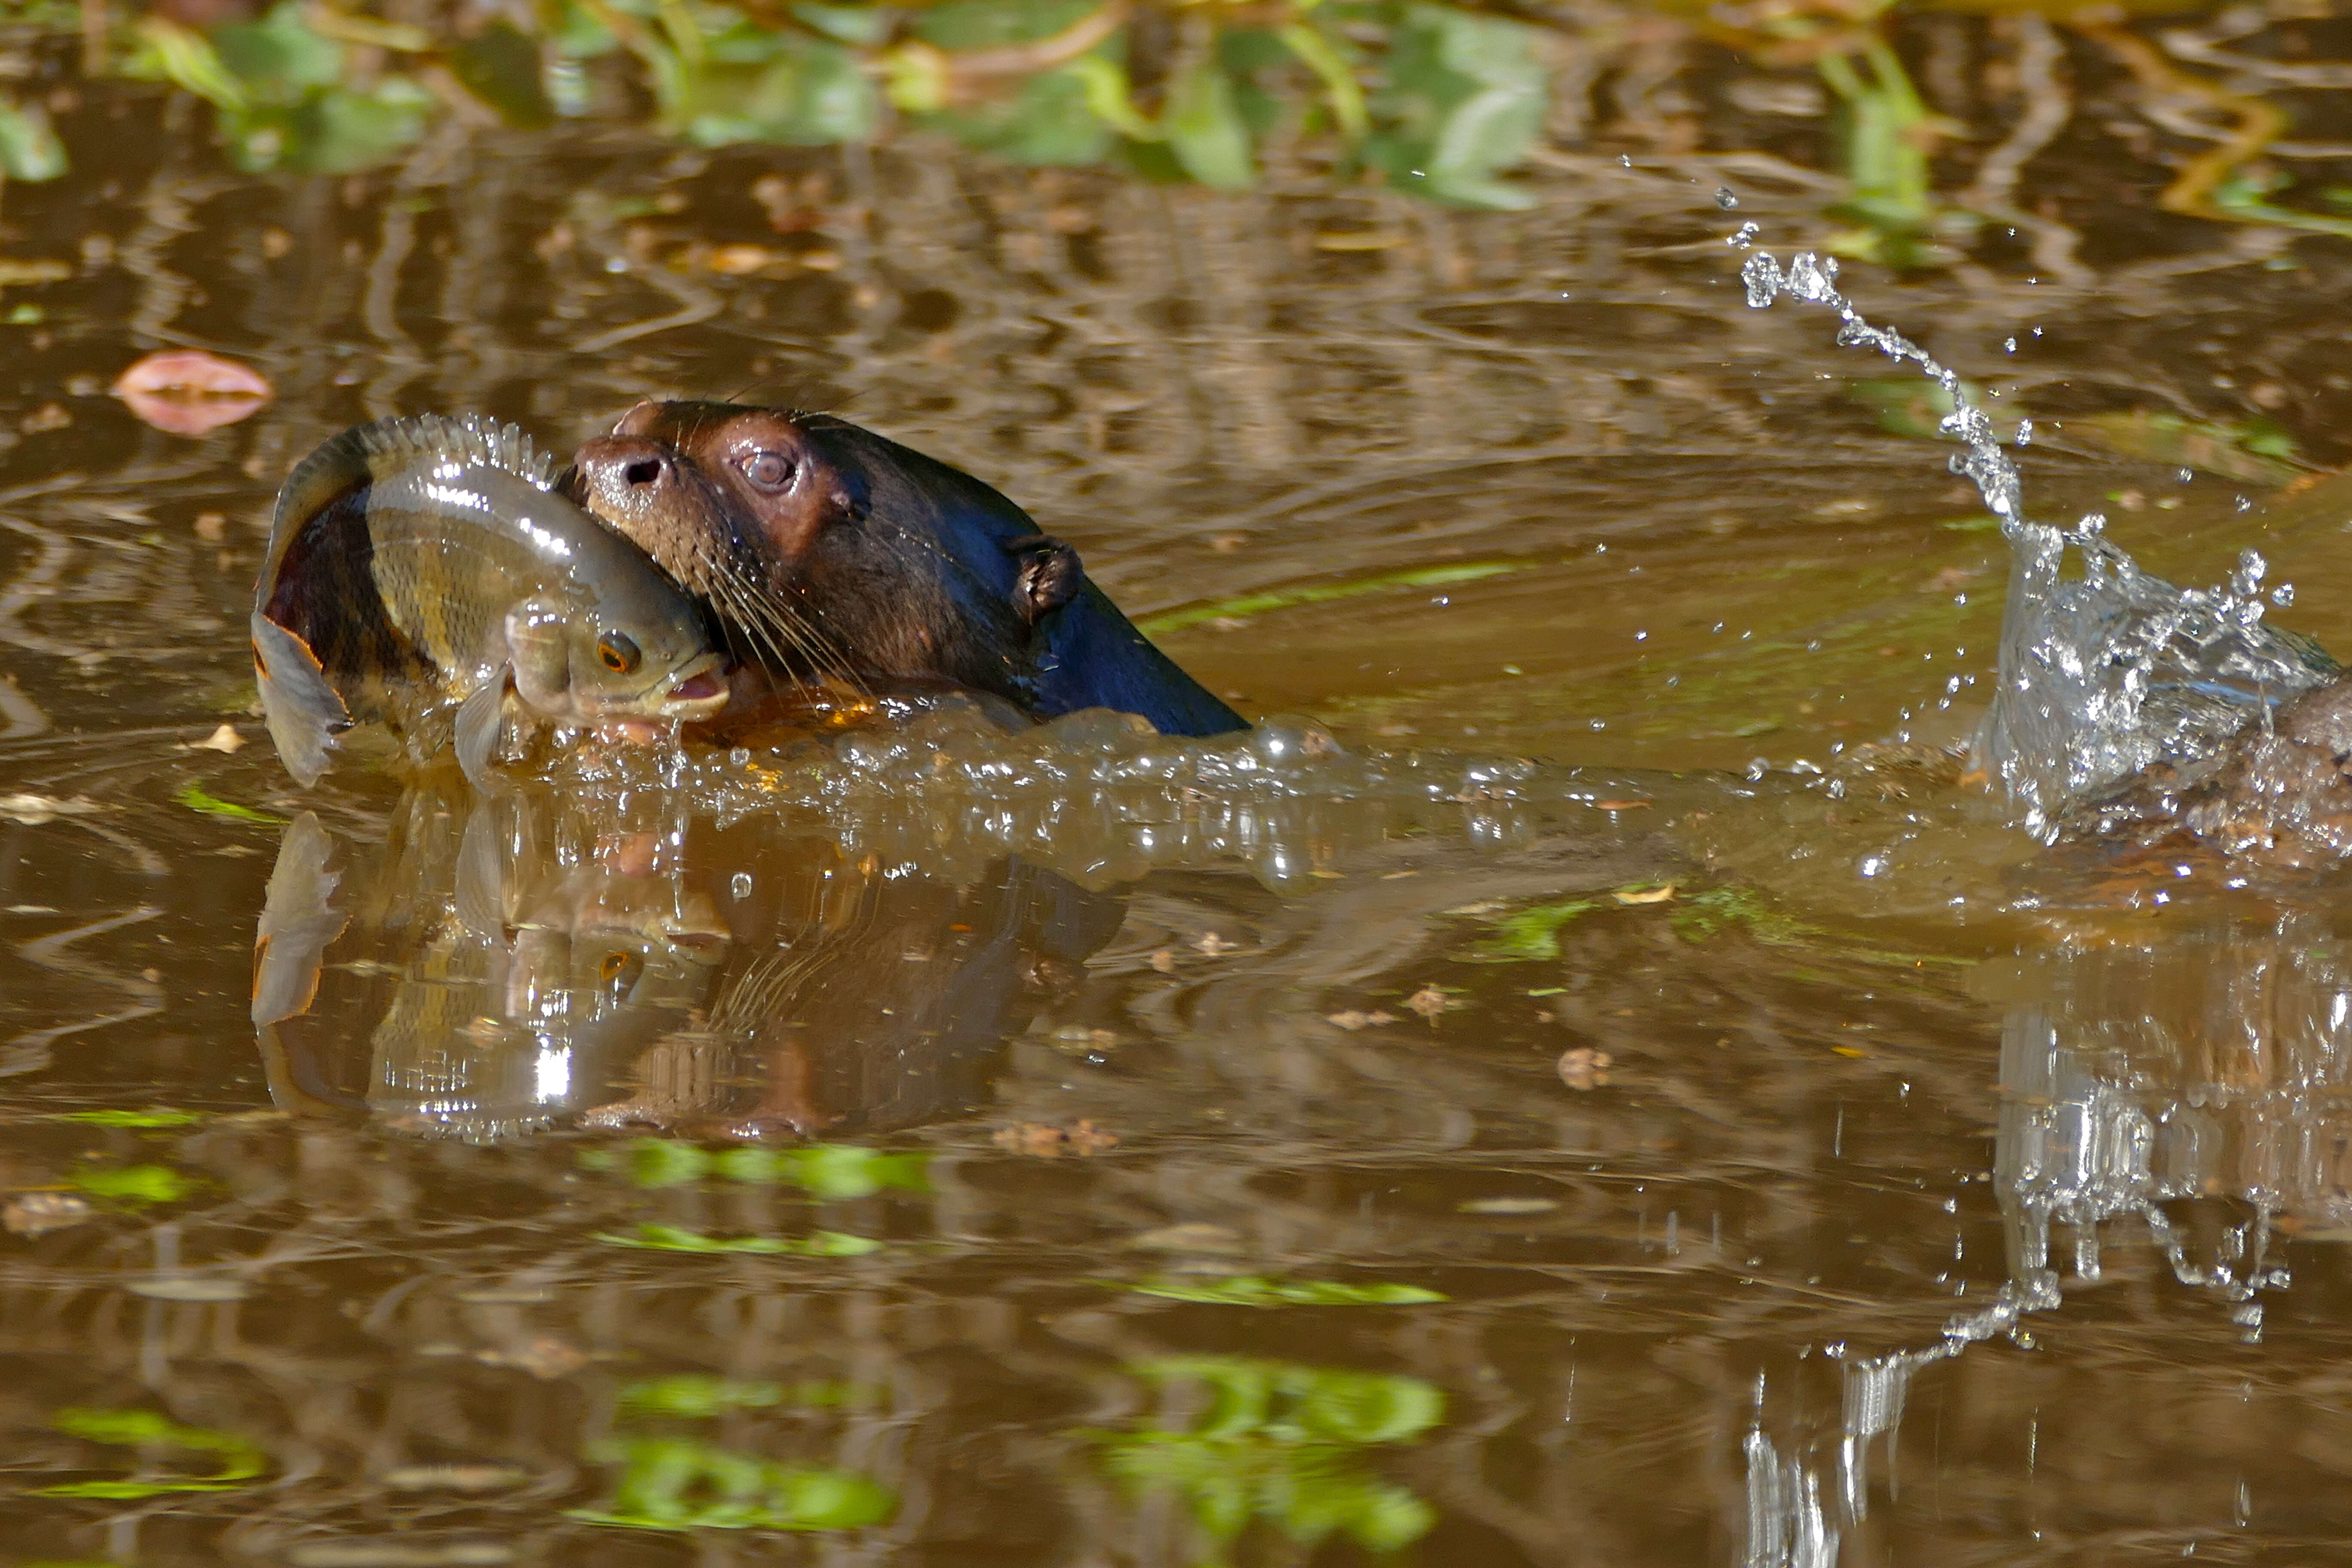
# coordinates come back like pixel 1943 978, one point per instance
pixel 1584 1068
pixel 188 391
pixel 1047 1141
pixel 38 1214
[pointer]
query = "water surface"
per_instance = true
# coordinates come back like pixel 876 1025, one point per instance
pixel 1560 1130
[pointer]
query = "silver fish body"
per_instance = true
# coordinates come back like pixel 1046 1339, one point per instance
pixel 421 567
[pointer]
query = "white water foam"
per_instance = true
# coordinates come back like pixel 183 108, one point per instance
pixel 2100 674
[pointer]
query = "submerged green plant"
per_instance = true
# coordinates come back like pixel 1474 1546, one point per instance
pixel 1530 934
pixel 155 1116
pixel 695 1396
pixel 824 1171
pixel 133 1185
pixel 676 1483
pixel 670 1238
pixel 195 798
pixel 1250 1290
pixel 238 1460
pixel 1281 1443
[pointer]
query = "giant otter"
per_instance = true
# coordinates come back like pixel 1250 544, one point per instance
pixel 831 550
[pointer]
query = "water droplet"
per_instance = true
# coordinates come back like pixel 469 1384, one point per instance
pixel 1725 199
pixel 1812 278
pixel 2025 432
pixel 741 885
pixel 2008 345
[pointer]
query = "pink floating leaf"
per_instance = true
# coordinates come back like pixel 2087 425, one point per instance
pixel 188 391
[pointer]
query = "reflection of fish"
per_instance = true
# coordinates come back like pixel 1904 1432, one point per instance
pixel 418 565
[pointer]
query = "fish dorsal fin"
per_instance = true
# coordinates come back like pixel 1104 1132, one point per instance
pixel 365 451
pixel 459 438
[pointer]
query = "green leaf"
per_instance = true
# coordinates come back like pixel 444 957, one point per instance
pixel 1322 57
pixel 1388 1519
pixel 827 1171
pixel 134 1183
pixel 1283 1443
pixel 1247 604
pixel 155 1116
pixel 1366 1407
pixel 695 1396
pixel 130 1491
pixel 280 57
pixel 675 1484
pixel 653 1163
pixel 195 798
pixel 1248 1291
pixel 500 66
pixel 344 131
pixel 238 1460
pixel 1530 934
pixel 992 23
pixel 1466 100
pixel 1049 120
pixel 670 1238
pixel 169 52
pixel 29 148
pixel 860 24
pixel 817 94
pixel 1205 131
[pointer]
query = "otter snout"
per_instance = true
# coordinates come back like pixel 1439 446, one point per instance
pixel 623 479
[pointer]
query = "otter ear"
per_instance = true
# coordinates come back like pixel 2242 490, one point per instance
pixel 848 500
pixel 1046 576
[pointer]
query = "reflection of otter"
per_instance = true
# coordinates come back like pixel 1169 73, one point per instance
pixel 487 978
pixel 833 551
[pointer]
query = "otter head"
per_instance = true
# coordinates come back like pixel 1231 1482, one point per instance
pixel 694 484
pixel 811 536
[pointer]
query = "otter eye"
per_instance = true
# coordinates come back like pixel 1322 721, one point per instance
pixel 617 653
pixel 768 471
pixel 614 966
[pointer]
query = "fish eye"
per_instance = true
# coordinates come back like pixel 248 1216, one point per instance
pixel 617 653
pixel 768 471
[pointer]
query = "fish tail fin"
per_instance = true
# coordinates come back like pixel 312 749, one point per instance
pixel 301 706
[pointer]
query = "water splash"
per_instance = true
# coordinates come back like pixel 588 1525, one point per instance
pixel 2101 674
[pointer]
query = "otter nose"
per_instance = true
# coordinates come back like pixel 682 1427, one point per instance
pixel 625 469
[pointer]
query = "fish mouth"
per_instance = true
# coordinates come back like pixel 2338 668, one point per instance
pixel 699 692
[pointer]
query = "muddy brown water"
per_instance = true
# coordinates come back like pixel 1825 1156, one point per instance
pixel 1053 1166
